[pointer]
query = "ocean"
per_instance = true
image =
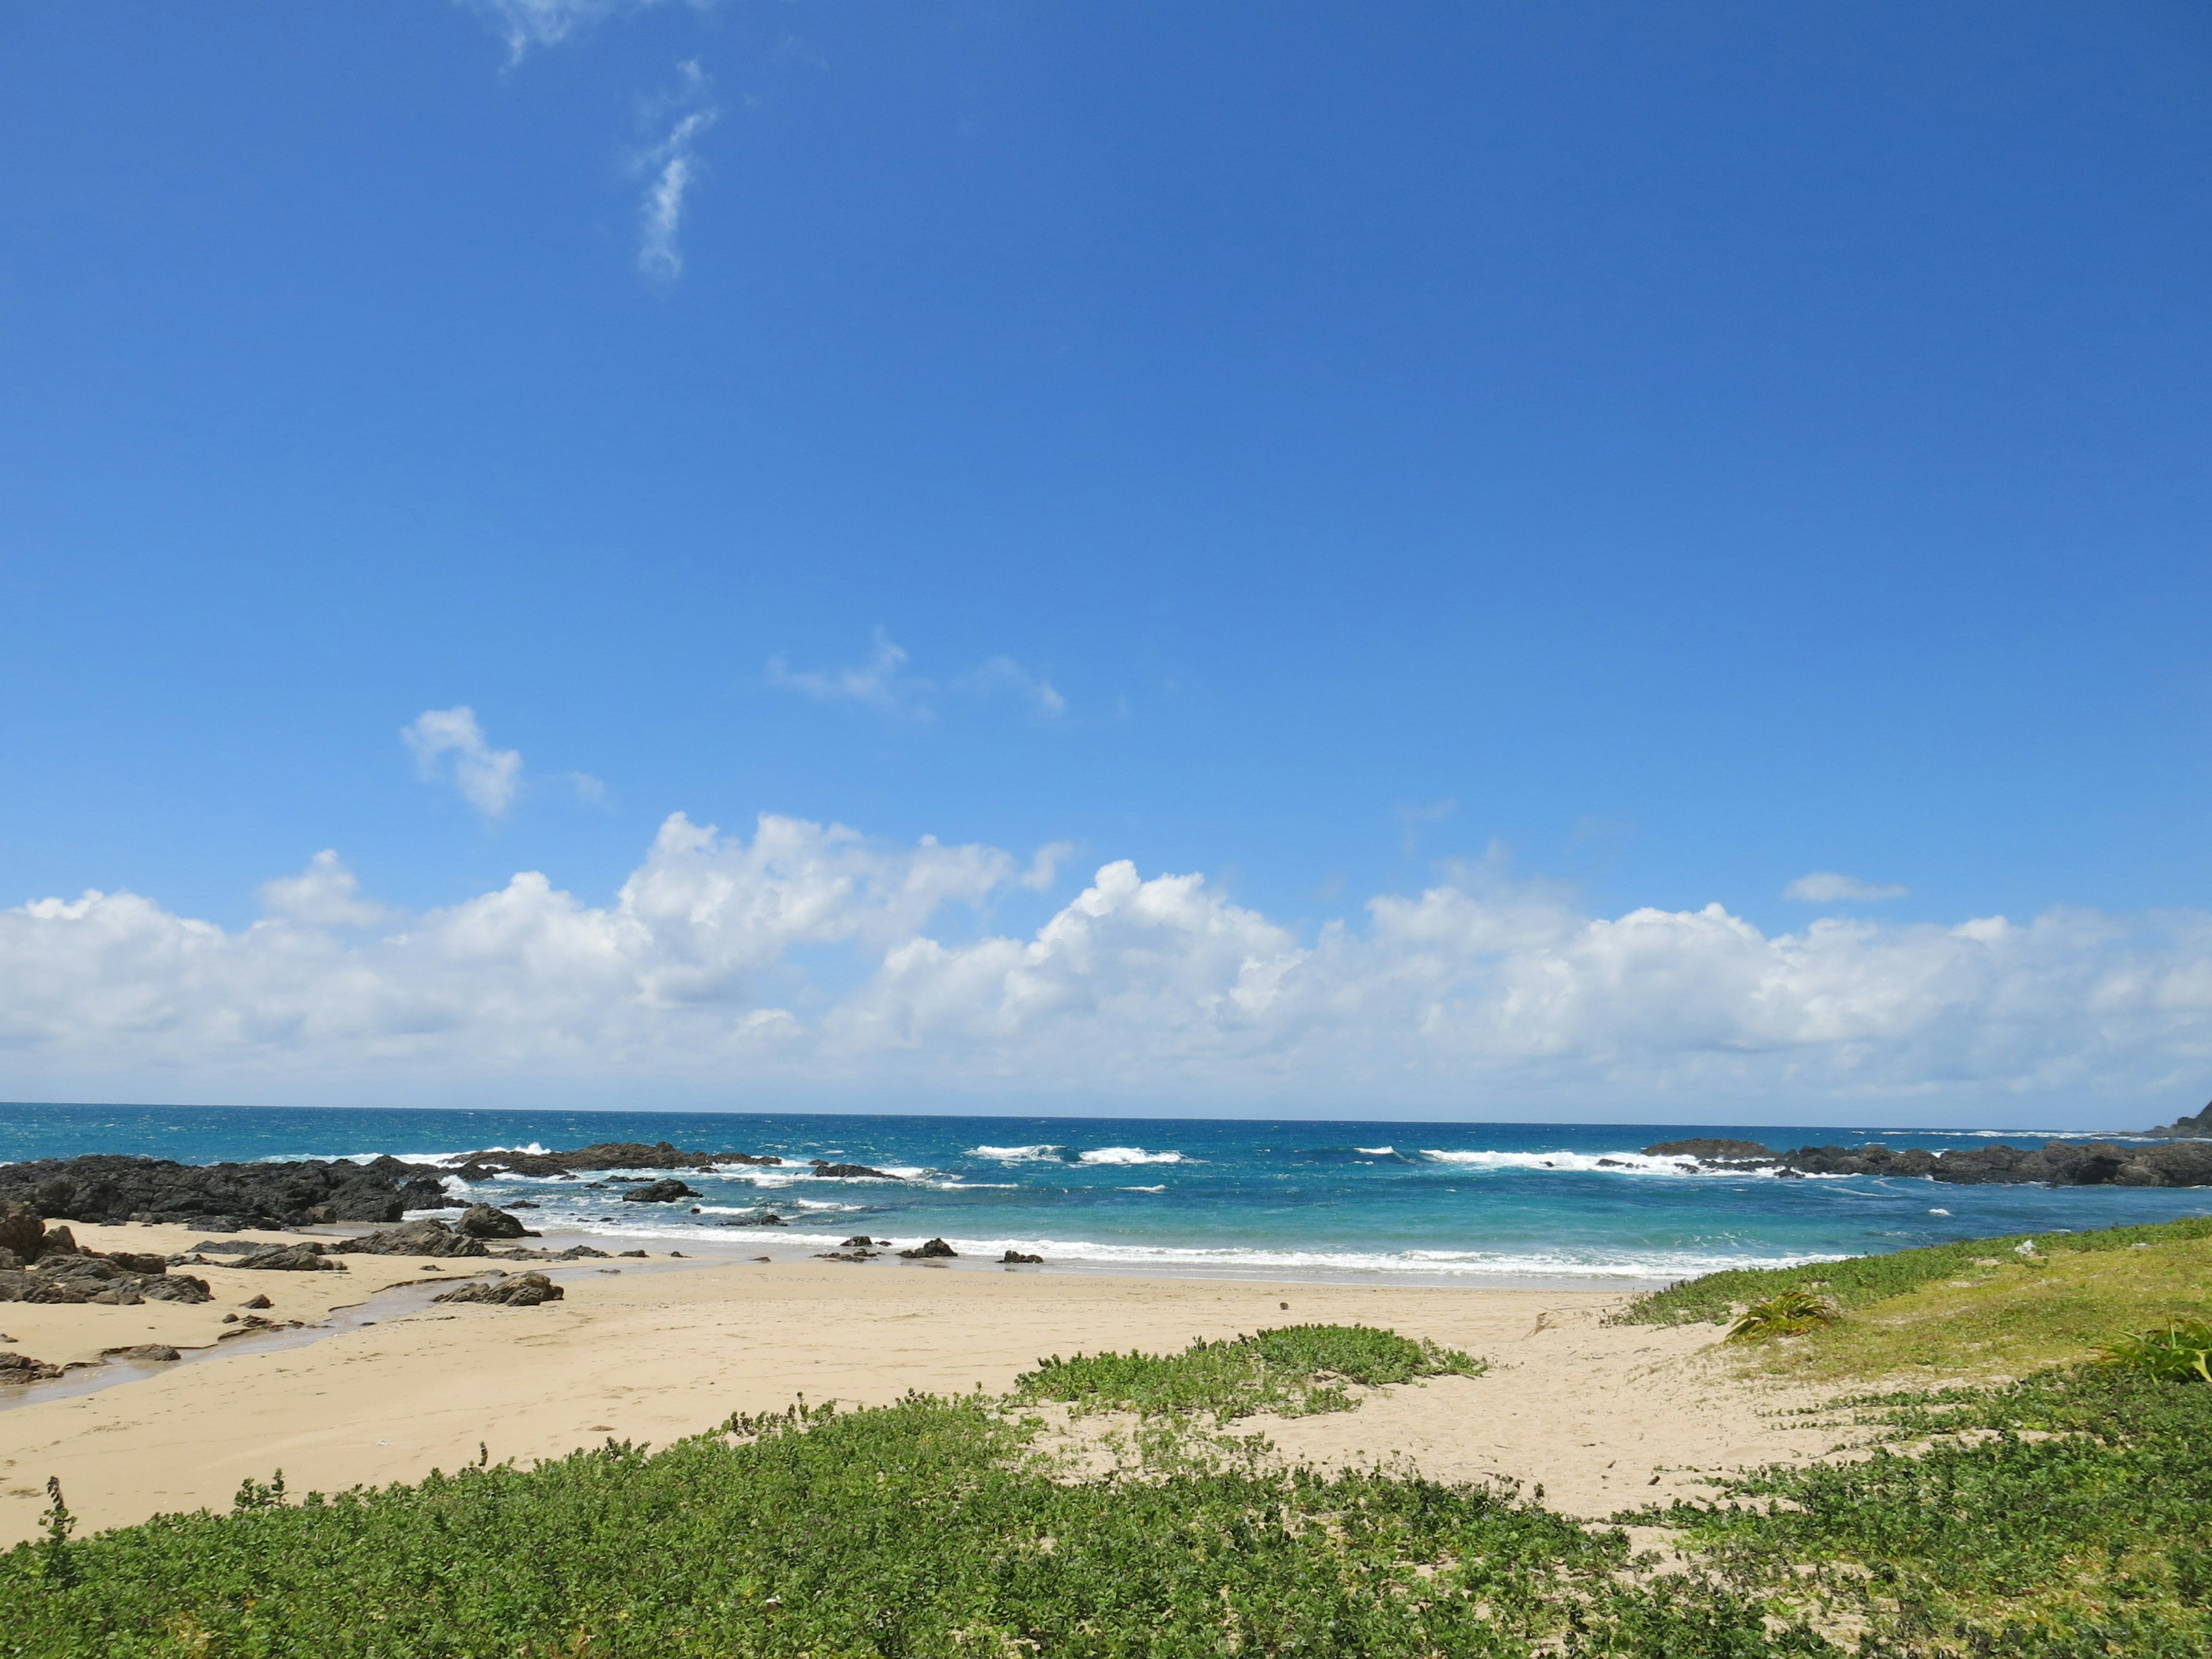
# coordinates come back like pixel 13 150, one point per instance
pixel 1503 1204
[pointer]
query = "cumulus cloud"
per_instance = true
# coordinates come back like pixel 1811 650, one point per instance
pixel 807 959
pixel 488 778
pixel 881 682
pixel 326 894
pixel 1827 887
pixel 670 167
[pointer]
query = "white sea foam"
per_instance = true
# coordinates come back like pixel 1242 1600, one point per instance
pixel 1595 1267
pixel 1144 1189
pixel 1128 1155
pixel 1043 1154
pixel 1597 1163
pixel 1377 1152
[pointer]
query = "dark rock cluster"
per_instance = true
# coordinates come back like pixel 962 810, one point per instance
pixel 2054 1163
pixel 1709 1148
pixel 659 1192
pixel 43 1264
pixel 21 1368
pixel 522 1290
pixel 929 1251
pixel 424 1237
pixel 607 1155
pixel 2198 1127
pixel 851 1171
pixel 220 1197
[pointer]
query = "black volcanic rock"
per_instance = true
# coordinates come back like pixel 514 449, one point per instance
pixel 607 1155
pixel 1709 1148
pixel 659 1192
pixel 935 1248
pixel 852 1171
pixel 482 1221
pixel 106 1187
pixel 424 1237
pixel 523 1290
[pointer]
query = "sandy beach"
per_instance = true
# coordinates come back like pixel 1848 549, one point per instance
pixel 1601 1416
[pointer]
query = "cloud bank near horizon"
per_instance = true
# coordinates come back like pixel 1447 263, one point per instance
pixel 810 962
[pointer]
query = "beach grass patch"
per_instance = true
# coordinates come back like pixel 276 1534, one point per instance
pixel 926 1529
pixel 1294 1371
pixel 2062 1516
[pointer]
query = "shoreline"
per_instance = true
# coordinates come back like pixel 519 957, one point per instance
pixel 1603 1416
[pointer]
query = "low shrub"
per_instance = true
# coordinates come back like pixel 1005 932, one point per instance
pixel 1296 1371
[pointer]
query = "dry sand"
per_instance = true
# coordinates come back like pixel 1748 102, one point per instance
pixel 1593 1413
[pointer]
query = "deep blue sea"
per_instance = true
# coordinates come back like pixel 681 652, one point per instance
pixel 1467 1203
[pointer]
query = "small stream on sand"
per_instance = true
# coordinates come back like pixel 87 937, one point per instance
pixel 396 1301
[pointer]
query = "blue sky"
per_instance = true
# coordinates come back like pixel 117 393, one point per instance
pixel 1596 456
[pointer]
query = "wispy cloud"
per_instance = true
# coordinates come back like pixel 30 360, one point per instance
pixel 1004 674
pixel 880 683
pixel 875 683
pixel 1827 887
pixel 528 23
pixel 488 778
pixel 670 167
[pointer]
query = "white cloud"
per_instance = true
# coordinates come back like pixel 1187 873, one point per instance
pixel 528 23
pixel 325 894
pixel 809 959
pixel 1827 887
pixel 488 778
pixel 670 167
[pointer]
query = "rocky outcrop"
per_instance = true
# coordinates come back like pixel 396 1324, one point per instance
pixel 1015 1258
pixel 291 1259
pixel 2183 1128
pixel 424 1237
pixel 220 1197
pixel 482 1221
pixel 769 1219
pixel 659 1192
pixel 930 1251
pixel 522 1290
pixel 2055 1163
pixel 1710 1148
pixel 21 1368
pixel 22 1231
pixel 852 1171
pixel 73 1279
pixel 607 1155
pixel 162 1352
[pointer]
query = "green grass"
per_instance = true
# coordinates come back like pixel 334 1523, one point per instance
pixel 1976 1309
pixel 2061 1517
pixel 921 1531
pixel 1296 1371
pixel 1861 1279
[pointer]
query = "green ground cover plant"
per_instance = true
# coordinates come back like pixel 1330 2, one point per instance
pixel 925 1529
pixel 1296 1371
pixel 2060 1517
pixel 1860 1280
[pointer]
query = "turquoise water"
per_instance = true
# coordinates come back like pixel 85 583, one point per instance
pixel 1468 1203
